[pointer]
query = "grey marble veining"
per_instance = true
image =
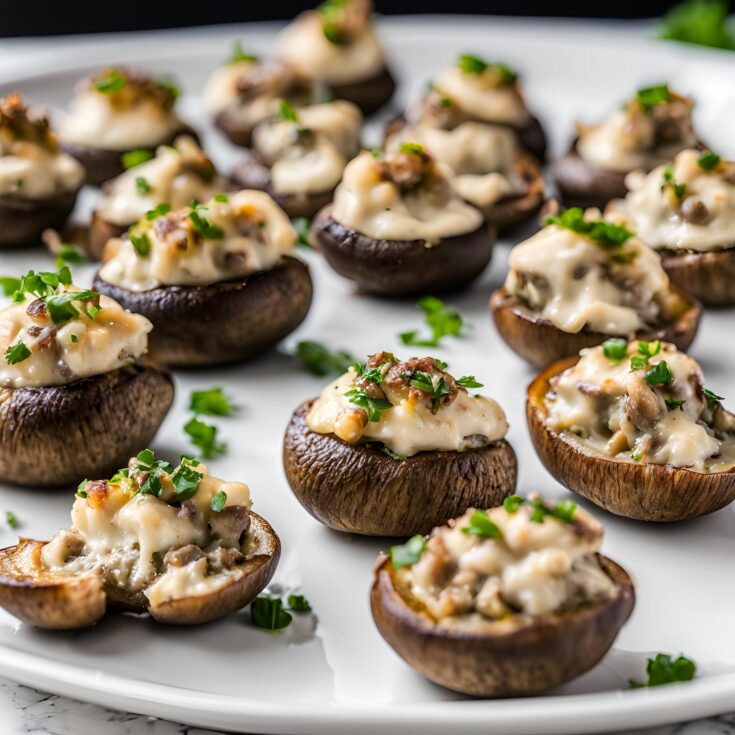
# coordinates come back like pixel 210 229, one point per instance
pixel 24 710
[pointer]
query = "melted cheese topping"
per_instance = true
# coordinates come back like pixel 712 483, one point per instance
pixel 309 156
pixel 606 408
pixel 93 121
pixel 410 427
pixel 78 348
pixel 221 89
pixel 124 536
pixel 304 44
pixel 659 216
pixel 481 96
pixel 175 176
pixel 256 235
pixel 379 209
pixel 532 570
pixel 625 142
pixel 479 155
pixel 575 283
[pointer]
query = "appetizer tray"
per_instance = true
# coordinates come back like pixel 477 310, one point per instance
pixel 330 672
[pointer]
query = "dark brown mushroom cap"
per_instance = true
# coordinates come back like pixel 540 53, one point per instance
pixel 100 231
pixel 23 220
pixel 64 602
pixel 102 164
pixel 360 489
pixel 59 435
pixel 252 172
pixel 225 322
pixel 644 492
pixel 540 342
pixel 369 94
pixel 403 267
pixel 507 660
pixel 709 277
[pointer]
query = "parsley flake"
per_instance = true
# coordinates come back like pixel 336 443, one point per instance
pixel 667 179
pixel 663 669
pixel 211 402
pixel 142 185
pixel 393 455
pixel 239 54
pixel 712 399
pixel 700 22
pixel 204 437
pixel 204 226
pixel 408 554
pixel 69 253
pixel 136 157
pixel 17 353
pixel 218 502
pixel 615 349
pixel 298 604
pixel 482 525
pixel 373 406
pixel 659 374
pixel 112 80
pixel 11 519
pixel 268 613
pixel 649 97
pixel 469 381
pixel 320 361
pixel 607 235
pixel 442 320
pixel 471 64
pixel 415 149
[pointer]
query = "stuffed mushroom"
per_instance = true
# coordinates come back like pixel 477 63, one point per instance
pixel 392 448
pixel 686 211
pixel 174 542
pixel 76 396
pixel 177 175
pixel 298 156
pixel 247 90
pixel 217 280
pixel 38 181
pixel 650 129
pixel 582 279
pixel 504 602
pixel 631 427
pixel 489 170
pixel 396 226
pixel 336 45
pixel 118 118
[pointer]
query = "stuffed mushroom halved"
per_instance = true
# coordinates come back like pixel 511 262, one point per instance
pixel 504 602
pixel 298 156
pixel 174 542
pixel 76 395
pixel 118 118
pixel 218 280
pixel 393 448
pixel 489 168
pixel 686 211
pixel 38 181
pixel 397 228
pixel 582 279
pixel 336 45
pixel 650 129
pixel 631 427
pixel 176 175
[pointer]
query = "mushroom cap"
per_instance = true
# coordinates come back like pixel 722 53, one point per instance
pixel 369 94
pixel 505 659
pixel 709 277
pixel 23 220
pixel 64 602
pixel 100 231
pixel 644 492
pixel 540 342
pixel 57 436
pixel 230 321
pixel 402 267
pixel 360 489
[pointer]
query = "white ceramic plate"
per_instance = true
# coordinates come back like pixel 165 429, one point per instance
pixel 332 673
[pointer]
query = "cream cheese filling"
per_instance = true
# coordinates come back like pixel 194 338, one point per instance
pixel 379 209
pixel 29 171
pixel 256 234
pixel 221 89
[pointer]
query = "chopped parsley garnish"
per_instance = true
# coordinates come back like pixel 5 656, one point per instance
pixel 147 463
pixel 17 353
pixel 218 502
pixel 286 112
pixel 373 406
pixel 649 97
pixel 61 308
pixel 298 604
pixel 512 503
pixel 563 510
pixel 469 381
pixel 615 348
pixel 673 403
pixel 186 480
pixel 664 669
pixel 69 253
pixel 221 197
pixel 136 157
pixel 158 211
pixel 376 153
pixel 211 402
pixel 113 80
pixel 712 399
pixel 330 11
pixel 659 374
pixel 471 64
pixel 409 553
pixel 11 519
pixel 701 22
pixel 320 361
pixel 375 374
pixel 302 225
pixel 442 320
pixel 668 179
pixel 169 85
pixel 82 489
pixel 646 350
pixel 9 285
pixel 140 242
pixel 268 613
pixel 707 161
pixel 415 149
pixel 482 525
pixel 41 284
pixel 607 235
pixel 204 437
pixel 74 338
pixel 239 54
pixel 393 455
pixel 142 185
pixel 424 382
pixel 204 226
